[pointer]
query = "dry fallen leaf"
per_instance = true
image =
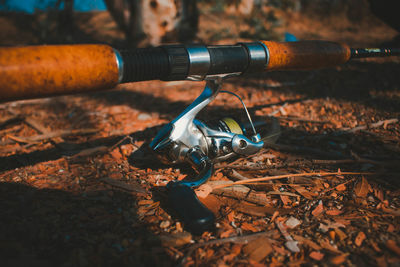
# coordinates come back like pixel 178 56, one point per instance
pixel 327 245
pixel 203 191
pixel 318 210
pixel 333 212
pixel 274 216
pixel 339 259
pixel 304 192
pixel 362 188
pixel 323 228
pixel 391 211
pixel 258 249
pixel 292 222
pixel 307 242
pixel 391 244
pixel 280 250
pixel 332 234
pixel 176 240
pixel 381 261
pixel 286 200
pixel 212 203
pixel 359 238
pixel 231 216
pixel 375 246
pixel 290 243
pixel 390 228
pixel 341 234
pixel 292 246
pixel 316 255
pixel 341 187
pixel 181 177
pixel 218 175
pixel 378 193
pixel 249 227
pixel 234 252
pixel 165 224
pixel 227 233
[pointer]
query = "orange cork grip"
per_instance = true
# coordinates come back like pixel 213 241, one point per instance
pixel 305 55
pixel 38 71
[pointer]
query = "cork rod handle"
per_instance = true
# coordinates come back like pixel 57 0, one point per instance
pixel 305 55
pixel 37 71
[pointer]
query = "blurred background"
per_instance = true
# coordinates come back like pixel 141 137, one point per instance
pixel 139 23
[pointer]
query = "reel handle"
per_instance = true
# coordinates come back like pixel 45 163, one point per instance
pixel 195 216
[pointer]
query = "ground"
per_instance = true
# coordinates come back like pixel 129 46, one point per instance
pixel 79 189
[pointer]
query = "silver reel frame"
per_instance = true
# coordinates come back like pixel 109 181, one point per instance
pixel 186 139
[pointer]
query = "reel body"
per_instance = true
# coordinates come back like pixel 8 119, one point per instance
pixel 201 144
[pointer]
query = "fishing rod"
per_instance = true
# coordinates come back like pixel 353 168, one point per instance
pixel 38 71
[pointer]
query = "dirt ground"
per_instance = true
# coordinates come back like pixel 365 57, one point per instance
pixel 76 190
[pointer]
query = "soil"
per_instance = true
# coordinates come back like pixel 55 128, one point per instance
pixel 79 188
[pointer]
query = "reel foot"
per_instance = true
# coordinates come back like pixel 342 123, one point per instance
pixel 194 215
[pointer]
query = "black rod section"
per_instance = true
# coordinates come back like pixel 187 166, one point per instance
pixel 374 52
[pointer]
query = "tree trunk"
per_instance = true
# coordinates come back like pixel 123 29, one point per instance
pixel 151 22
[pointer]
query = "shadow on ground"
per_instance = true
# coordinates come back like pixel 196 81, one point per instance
pixel 45 227
pixel 376 85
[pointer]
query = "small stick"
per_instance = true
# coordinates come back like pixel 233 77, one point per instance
pixel 123 185
pixel 31 122
pixel 89 152
pixel 290 118
pixel 348 161
pixel 372 125
pixel 283 193
pixel 11 119
pixel 268 178
pixel 234 174
pixel 11 129
pixel 257 166
pixel 277 110
pixel 293 148
pixel 50 135
pixel 36 125
pixel 239 192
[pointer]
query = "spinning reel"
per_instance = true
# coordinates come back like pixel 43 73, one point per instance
pixel 201 144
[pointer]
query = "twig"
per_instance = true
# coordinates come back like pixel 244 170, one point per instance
pixel 235 175
pixel 31 122
pixel 123 140
pixel 372 125
pixel 290 118
pixel 123 185
pixel 283 193
pixel 89 152
pixel 27 102
pixel 36 125
pixel 260 211
pixel 50 135
pixel 277 110
pixel 293 148
pixel 249 181
pixel 349 161
pixel 257 166
pixel 290 243
pixel 11 119
pixel 11 129
pixel 239 192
